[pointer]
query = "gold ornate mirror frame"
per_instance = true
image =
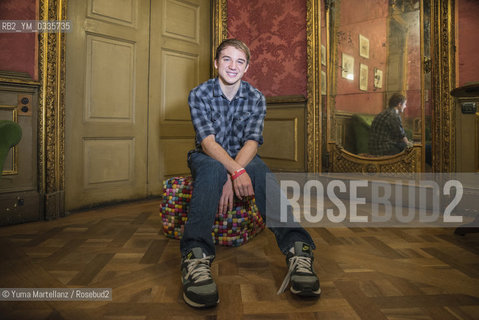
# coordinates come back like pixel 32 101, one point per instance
pixel 443 81
pixel 314 128
pixel 440 64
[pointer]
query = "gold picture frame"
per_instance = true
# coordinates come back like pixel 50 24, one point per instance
pixel 378 78
pixel 347 66
pixel 363 46
pixel 363 77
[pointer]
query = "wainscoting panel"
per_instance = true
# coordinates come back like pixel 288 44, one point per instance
pixel 108 161
pixel 284 136
pixel 20 200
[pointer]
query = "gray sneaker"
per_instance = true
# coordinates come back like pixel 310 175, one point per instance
pixel 304 281
pixel 199 288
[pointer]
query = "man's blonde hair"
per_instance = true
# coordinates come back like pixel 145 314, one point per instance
pixel 238 44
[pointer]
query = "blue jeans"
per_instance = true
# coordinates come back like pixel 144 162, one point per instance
pixel 209 176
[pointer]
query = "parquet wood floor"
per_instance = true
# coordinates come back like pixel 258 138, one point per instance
pixel 365 273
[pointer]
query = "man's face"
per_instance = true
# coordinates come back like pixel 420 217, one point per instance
pixel 231 65
pixel 402 106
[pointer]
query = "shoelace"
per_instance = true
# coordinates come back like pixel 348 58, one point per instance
pixel 302 263
pixel 199 269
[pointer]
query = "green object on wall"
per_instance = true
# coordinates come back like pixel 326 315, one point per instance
pixel 10 135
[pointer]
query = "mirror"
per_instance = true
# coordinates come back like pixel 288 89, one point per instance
pixel 375 52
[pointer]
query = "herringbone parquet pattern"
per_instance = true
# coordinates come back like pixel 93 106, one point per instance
pixel 365 273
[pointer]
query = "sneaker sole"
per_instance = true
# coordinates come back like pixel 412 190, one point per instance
pixel 306 293
pixel 199 305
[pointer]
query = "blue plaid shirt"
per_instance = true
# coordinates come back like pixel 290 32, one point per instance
pixel 231 122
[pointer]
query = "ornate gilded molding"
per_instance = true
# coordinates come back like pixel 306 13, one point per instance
pixel 314 112
pixel 313 24
pixel 427 65
pixel 52 109
pixel 220 27
pixel 405 162
pixel 443 80
pixel 332 62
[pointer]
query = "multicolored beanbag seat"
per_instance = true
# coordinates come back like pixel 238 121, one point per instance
pixel 234 228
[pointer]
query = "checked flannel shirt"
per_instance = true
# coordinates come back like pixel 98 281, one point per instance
pixel 386 134
pixel 232 122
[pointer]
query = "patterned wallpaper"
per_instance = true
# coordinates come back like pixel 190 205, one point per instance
pixel 275 32
pixel 18 51
pixel 468 69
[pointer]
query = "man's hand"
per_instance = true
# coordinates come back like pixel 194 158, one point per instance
pixel 226 200
pixel 409 144
pixel 243 186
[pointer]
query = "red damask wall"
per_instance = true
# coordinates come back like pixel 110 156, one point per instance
pixel 275 32
pixel 468 41
pixel 18 51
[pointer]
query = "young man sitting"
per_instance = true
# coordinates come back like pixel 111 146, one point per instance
pixel 228 118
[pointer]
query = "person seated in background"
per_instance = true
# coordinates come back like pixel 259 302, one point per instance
pixel 387 135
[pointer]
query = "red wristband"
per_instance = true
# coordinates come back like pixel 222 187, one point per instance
pixel 237 173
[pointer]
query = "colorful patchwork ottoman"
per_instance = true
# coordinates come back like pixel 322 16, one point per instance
pixel 233 228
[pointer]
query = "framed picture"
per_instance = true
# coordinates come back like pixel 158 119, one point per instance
pixel 378 78
pixel 363 77
pixel 323 55
pixel 323 82
pixel 363 46
pixel 347 66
